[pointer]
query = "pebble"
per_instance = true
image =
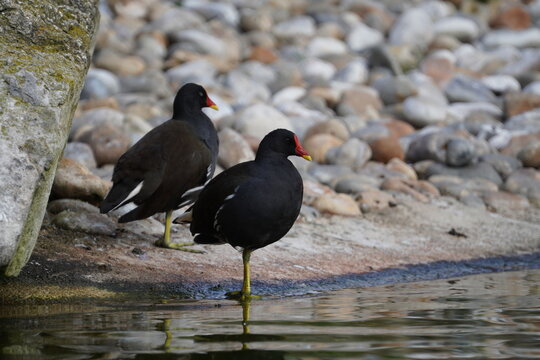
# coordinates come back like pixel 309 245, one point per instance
pixel 57 206
pixel 319 144
pixel 326 46
pixel 144 228
pixel 87 222
pixel 199 71
pixel 96 117
pixel 225 12
pixel 517 103
pixel 421 112
pixel 511 17
pixel 99 84
pixel 80 152
pixel 375 200
pixel 355 72
pixel 504 165
pixel 480 170
pixel 75 181
pixel 462 28
pixel 439 65
pixel 462 88
pixel 333 127
pixel 108 142
pixel 400 166
pixel 501 84
pixel 233 148
pixel 525 182
pixel 404 186
pixel 337 204
pixel 358 100
pixel 393 90
pixel 120 64
pixel 301 26
pixel 502 200
pixel 386 148
pixel 356 183
pixel 528 38
pixel 413 27
pixel 259 119
pixel 362 37
pixel 353 153
pixel 530 155
pixel 459 152
pixel 327 174
pixel 532 88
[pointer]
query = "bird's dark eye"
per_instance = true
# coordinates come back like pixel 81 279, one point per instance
pixel 201 94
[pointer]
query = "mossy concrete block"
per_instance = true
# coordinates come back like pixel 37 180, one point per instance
pixel 45 51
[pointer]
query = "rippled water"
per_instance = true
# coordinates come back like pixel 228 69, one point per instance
pixel 484 316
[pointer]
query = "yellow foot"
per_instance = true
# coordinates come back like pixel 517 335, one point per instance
pixel 178 246
pixel 239 295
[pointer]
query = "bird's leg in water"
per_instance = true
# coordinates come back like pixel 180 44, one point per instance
pixel 246 288
pixel 245 293
pixel 166 240
pixel 246 303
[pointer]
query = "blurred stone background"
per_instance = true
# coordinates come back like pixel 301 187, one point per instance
pixel 425 98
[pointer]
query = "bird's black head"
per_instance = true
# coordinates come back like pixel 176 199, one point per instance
pixel 191 98
pixel 282 142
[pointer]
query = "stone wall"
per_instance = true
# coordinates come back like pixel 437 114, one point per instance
pixel 45 51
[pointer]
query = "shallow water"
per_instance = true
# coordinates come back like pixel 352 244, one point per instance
pixel 482 316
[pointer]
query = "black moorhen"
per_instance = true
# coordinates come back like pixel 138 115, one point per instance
pixel 252 204
pixel 167 168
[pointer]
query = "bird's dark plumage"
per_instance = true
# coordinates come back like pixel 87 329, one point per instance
pixel 255 203
pixel 167 167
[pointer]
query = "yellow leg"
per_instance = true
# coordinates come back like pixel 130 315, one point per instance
pixel 166 240
pixel 245 320
pixel 246 288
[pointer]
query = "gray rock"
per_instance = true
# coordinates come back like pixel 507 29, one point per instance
pixel 362 37
pixel 530 155
pixel 501 84
pixel 325 46
pixel 258 72
pixel 353 153
pixel 233 148
pixel 356 72
pixel 99 84
pixel 525 182
pixel 528 61
pixel 288 94
pixel 328 174
pixel 199 42
pixel 380 56
pixel 525 122
pixel 459 188
pixel 426 88
pixel 421 112
pixel 94 118
pixel 414 27
pixel 394 90
pixel 177 19
pixel 480 170
pixel 80 152
pixel 144 228
pixel 372 132
pixel 287 74
pixel 460 111
pixel 197 71
pixel 151 81
pixel 529 38
pixel 45 55
pixel 501 200
pixel 78 206
pixel 354 184
pixel 301 26
pixel 317 71
pixel 459 152
pixel 505 165
pixel 90 223
pixel 466 89
pixel 532 88
pixel 459 27
pixel 245 89
pixel 428 146
pixel 259 119
pixel 225 12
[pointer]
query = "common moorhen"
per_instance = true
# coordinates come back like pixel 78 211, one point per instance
pixel 252 204
pixel 167 168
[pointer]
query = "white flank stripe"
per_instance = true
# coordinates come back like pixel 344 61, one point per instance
pixel 130 196
pixel 192 190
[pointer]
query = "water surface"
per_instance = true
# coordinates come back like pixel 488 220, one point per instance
pixel 482 316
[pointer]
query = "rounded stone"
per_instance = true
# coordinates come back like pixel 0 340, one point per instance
pixel 319 144
pixel 421 112
pixel 530 155
pixel 99 84
pixel 75 181
pixel 398 165
pixel 337 204
pixel 259 119
pixel 233 148
pixel 386 149
pixel 90 223
pixel 80 152
pixel 375 200
pixel 459 152
pixel 108 142
pixel 353 153
pixel 73 205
